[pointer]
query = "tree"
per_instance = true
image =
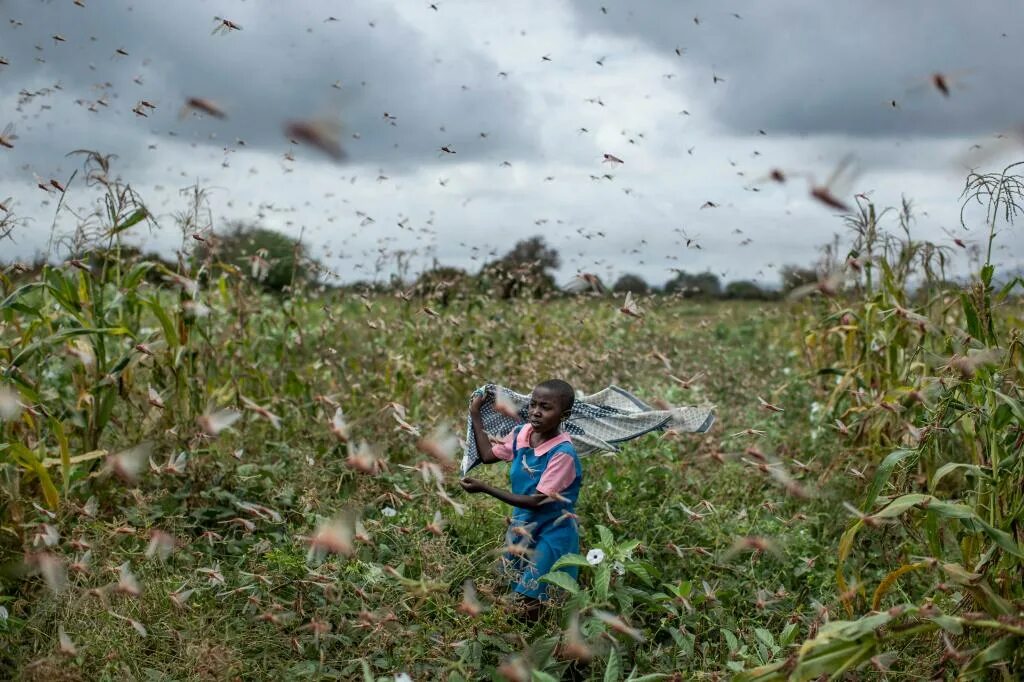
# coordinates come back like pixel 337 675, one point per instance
pixel 441 283
pixel 632 283
pixel 274 259
pixel 745 289
pixel 523 271
pixel 702 285
pixel 794 276
pixel 534 252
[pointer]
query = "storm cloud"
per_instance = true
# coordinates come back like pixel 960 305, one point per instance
pixel 699 103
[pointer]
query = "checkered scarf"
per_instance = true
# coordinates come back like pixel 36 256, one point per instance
pixel 597 422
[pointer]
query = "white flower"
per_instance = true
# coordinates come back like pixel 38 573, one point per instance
pixel 403 677
pixel 389 512
pixel 786 371
pixel 618 568
pixel 595 556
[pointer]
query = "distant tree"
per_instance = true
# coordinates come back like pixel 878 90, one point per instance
pixel 275 259
pixel 794 276
pixel 702 285
pixel 442 283
pixel 523 271
pixel 534 252
pixel 745 289
pixel 631 283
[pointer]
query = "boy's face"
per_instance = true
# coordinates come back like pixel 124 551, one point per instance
pixel 546 410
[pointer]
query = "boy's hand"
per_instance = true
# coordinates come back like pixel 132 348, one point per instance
pixel 471 485
pixel 478 401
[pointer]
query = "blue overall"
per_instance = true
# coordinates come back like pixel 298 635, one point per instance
pixel 546 533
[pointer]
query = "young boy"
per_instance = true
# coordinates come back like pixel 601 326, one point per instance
pixel 545 479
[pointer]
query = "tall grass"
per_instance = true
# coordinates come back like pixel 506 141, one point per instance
pixel 928 393
pixel 140 534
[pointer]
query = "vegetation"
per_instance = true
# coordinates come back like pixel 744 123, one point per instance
pixel 200 479
pixel 273 259
pixel 631 283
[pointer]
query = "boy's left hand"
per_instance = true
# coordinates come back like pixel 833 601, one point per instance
pixel 471 485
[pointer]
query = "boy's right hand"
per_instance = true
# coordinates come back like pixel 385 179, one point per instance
pixel 478 401
pixel 471 485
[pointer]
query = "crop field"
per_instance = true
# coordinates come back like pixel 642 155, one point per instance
pixel 256 267
pixel 203 480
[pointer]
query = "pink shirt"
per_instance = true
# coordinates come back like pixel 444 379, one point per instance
pixel 560 471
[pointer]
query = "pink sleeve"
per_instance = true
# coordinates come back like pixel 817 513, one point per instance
pixel 503 450
pixel 559 474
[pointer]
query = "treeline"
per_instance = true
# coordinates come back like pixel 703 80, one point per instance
pixel 280 263
pixel 526 270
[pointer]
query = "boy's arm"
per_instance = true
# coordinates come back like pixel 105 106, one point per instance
pixel 483 443
pixel 534 501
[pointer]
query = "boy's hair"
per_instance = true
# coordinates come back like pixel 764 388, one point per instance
pixel 566 394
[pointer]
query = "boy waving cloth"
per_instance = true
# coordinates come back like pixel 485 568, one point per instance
pixel 543 435
pixel 597 422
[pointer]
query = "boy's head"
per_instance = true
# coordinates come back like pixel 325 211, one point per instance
pixel 560 391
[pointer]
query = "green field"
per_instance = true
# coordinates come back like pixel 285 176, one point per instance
pixel 722 549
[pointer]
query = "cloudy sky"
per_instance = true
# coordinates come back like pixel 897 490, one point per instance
pixel 700 101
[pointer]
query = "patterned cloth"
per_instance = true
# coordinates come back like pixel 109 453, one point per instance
pixel 597 422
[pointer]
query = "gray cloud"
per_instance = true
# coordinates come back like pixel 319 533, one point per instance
pixel 792 66
pixel 814 76
pixel 281 66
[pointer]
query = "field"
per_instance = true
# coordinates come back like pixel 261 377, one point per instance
pixel 205 481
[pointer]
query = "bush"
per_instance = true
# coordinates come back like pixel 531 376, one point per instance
pixel 275 259
pixel 632 283
pixel 703 285
pixel 745 289
pixel 523 271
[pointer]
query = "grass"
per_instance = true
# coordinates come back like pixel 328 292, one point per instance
pixel 162 545
pixel 644 489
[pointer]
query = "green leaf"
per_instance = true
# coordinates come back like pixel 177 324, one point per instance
pixel 613 672
pixel 882 475
pixel 606 537
pixel 986 274
pixel 570 560
pixel 563 580
pixel 1001 651
pixel 1001 538
pixel 602 579
pixel 133 278
pixel 170 333
pixel 953 511
pixel 765 637
pixel 1002 417
pixel 640 572
pixel 541 650
pixel 65 454
pixel 18 293
pixel 953 466
pixel 1014 405
pixel 901 504
pixel 541 676
pixel 948 623
pixel 971 315
pixel 30 461
pixel 135 218
pixel 626 548
pixel 26 353
pixel 730 640
pixel 1005 291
